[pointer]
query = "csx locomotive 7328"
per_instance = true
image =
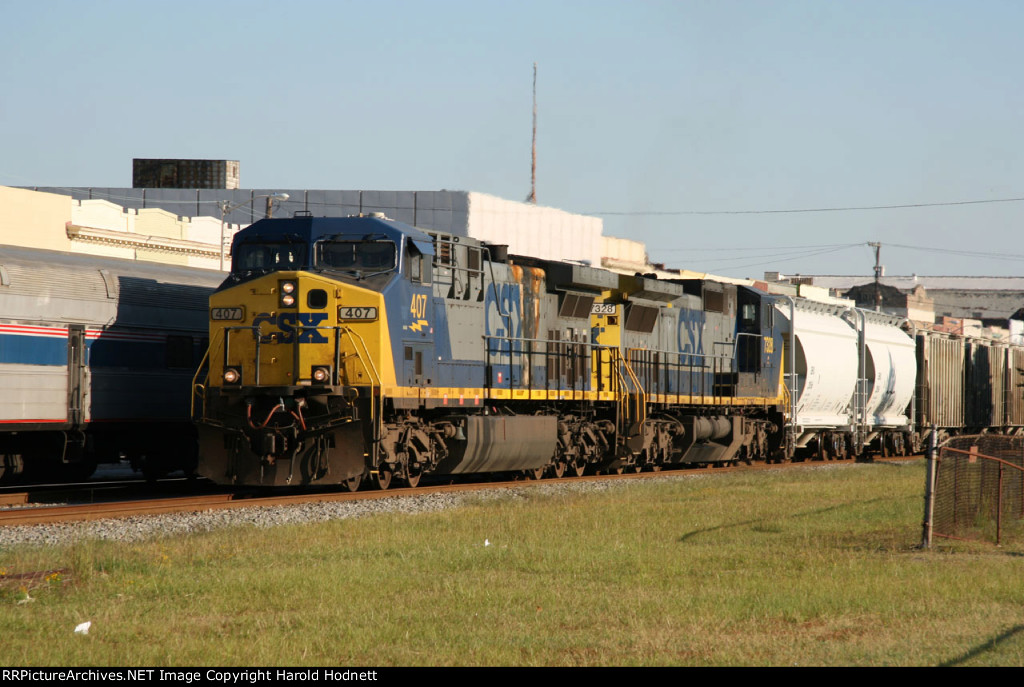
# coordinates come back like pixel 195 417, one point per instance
pixel 361 348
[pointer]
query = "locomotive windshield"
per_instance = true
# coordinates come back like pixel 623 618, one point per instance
pixel 363 258
pixel 268 257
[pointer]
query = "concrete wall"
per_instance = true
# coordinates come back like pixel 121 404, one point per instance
pixel 34 220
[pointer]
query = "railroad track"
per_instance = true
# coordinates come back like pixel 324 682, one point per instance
pixel 18 510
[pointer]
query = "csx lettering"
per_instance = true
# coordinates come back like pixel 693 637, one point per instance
pixel 769 344
pixel 288 324
pixel 691 336
pixel 503 317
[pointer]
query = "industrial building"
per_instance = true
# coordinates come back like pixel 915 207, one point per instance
pixel 527 229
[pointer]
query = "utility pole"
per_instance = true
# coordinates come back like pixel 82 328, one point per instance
pixel 878 274
pixel 533 159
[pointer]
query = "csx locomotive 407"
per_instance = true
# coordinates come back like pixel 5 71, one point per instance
pixel 361 348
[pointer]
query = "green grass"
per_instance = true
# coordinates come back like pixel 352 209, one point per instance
pixel 802 567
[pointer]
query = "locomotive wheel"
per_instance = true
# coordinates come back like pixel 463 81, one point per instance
pixel 536 473
pixel 843 450
pixel 558 469
pixel 352 484
pixel 578 467
pixel 381 479
pixel 413 470
pixel 11 467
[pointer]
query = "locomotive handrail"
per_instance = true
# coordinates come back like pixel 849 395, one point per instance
pixel 662 374
pixel 255 329
pixel 752 341
pixel 529 354
pixel 370 368
pixel 678 363
pixel 641 394
pixel 204 361
pixel 355 336
pixel 379 383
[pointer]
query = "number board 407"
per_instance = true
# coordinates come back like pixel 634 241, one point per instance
pixel 357 313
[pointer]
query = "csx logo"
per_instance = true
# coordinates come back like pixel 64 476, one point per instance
pixel 290 323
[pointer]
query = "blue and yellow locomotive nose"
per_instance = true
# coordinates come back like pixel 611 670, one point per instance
pixel 293 376
pixel 300 353
pixel 296 330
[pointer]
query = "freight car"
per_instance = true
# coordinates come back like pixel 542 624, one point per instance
pixel 851 384
pixel 352 348
pixel 96 361
pixel 969 385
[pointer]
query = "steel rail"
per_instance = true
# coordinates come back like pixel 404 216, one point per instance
pixel 37 515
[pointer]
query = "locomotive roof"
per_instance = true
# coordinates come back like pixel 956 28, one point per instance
pixel 311 229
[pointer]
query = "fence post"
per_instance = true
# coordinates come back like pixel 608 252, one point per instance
pixel 999 508
pixel 929 491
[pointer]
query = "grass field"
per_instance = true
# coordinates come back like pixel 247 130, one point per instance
pixel 801 567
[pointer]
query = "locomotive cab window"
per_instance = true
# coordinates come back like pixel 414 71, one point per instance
pixel 268 257
pixel 362 257
pixel 417 265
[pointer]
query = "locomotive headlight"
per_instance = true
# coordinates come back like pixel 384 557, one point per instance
pixel 288 290
pixel 232 375
pixel 321 374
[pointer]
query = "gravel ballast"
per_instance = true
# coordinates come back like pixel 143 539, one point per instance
pixel 139 528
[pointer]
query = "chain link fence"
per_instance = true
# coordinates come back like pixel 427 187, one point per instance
pixel 976 489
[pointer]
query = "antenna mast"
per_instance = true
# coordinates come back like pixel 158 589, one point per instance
pixel 878 274
pixel 533 160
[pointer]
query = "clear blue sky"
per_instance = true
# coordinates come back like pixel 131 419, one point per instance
pixel 644 107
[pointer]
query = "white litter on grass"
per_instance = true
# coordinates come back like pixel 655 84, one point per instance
pixel 487 542
pixel 83 628
pixel 27 600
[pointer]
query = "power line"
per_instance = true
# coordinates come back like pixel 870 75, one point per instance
pixel 808 251
pixel 960 251
pixel 796 256
pixel 735 249
pixel 656 213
